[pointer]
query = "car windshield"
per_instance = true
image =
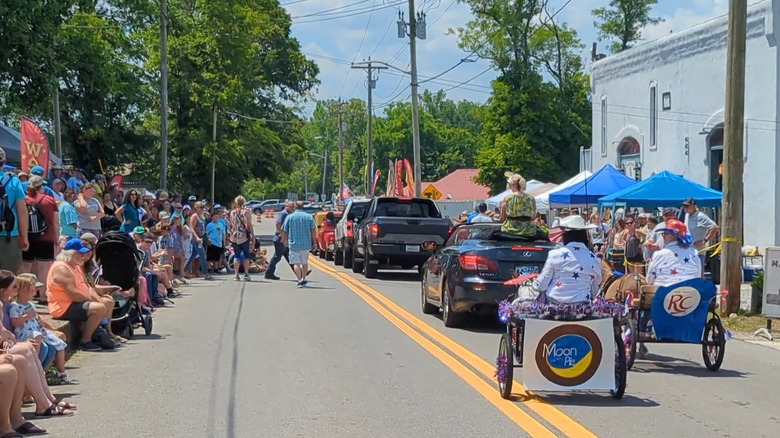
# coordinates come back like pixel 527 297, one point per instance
pixel 485 231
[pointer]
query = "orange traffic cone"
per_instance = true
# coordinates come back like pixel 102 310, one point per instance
pixel 259 218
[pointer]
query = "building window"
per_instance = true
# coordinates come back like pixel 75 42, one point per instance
pixel 629 153
pixel 603 126
pixel 653 116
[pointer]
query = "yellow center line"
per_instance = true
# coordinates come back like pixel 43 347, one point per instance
pixel 550 413
pixel 514 412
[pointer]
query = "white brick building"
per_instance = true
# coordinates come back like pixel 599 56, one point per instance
pixel 660 107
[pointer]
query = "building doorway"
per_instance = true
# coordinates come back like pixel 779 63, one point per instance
pixel 629 157
pixel 715 155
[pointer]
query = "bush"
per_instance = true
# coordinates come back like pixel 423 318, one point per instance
pixel 758 280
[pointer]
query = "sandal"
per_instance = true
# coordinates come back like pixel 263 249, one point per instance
pixel 13 434
pixel 29 429
pixel 65 405
pixel 54 411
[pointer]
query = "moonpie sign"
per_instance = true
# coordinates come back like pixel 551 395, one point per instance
pixel 569 355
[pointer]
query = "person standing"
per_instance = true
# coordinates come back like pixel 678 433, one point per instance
pixel 13 233
pixel 41 252
pixel 280 250
pixel 90 211
pixel 199 241
pixel 702 228
pixel 299 234
pixel 481 216
pixel 241 236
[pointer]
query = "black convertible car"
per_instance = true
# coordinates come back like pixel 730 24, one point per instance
pixel 467 274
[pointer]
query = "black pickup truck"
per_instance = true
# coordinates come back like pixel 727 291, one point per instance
pixel 391 233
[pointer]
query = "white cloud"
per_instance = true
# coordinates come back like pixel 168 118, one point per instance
pixel 683 18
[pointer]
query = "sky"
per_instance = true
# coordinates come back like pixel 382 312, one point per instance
pixel 335 33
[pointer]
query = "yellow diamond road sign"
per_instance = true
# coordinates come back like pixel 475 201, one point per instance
pixel 432 192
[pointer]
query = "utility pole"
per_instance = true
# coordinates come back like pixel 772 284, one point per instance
pixel 341 149
pixel 324 174
pixel 369 67
pixel 214 154
pixel 733 161
pixel 417 29
pixel 57 123
pixel 164 96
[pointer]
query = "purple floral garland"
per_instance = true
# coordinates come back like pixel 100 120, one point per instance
pixel 598 308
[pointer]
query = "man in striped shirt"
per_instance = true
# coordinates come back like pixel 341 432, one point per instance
pixel 299 234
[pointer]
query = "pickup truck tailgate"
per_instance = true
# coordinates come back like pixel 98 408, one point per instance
pixel 412 231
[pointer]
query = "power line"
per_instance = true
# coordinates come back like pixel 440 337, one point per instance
pixel 331 11
pixel 357 53
pixel 347 14
pixel 469 80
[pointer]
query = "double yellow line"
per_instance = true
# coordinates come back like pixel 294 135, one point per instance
pixel 456 357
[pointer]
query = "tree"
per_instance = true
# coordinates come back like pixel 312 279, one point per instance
pixel 622 22
pixel 532 125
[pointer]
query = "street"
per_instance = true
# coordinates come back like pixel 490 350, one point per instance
pixel 350 357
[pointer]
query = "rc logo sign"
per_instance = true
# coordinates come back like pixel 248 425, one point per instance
pixel 682 301
pixel 569 355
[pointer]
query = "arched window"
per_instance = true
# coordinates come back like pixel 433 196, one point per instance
pixel 715 156
pixel 629 156
pixel 653 115
pixel 604 126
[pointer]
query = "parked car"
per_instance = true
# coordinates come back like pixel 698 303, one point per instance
pixel 345 236
pixel 269 204
pixel 326 234
pixel 466 275
pixel 392 231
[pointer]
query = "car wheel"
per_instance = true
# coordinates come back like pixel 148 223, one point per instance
pixel 320 253
pixel 357 266
pixel 449 316
pixel 369 269
pixel 328 255
pixel 347 257
pixel 427 308
pixel 338 257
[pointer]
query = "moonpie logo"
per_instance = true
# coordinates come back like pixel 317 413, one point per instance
pixel 682 301
pixel 569 355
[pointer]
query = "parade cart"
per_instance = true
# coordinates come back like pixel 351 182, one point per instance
pixel 683 313
pixel 561 348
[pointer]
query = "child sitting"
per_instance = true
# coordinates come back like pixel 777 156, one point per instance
pixel 28 326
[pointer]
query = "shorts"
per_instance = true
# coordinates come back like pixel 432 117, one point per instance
pixel 241 251
pixel 97 233
pixel 39 251
pixel 214 253
pixel 10 253
pixel 299 257
pixel 77 312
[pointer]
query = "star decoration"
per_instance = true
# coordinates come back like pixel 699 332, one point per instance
pixel 592 277
pixel 593 256
pixel 565 255
pixel 576 275
pixel 581 268
pixel 673 272
pixel 676 255
pixel 686 260
pixel 558 283
pixel 576 248
pixel 653 272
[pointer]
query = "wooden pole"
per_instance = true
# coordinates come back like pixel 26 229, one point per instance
pixel 731 219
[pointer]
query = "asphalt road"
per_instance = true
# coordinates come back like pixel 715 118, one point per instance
pixel 355 357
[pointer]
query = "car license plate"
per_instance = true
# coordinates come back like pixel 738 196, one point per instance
pixel 412 248
pixel 525 270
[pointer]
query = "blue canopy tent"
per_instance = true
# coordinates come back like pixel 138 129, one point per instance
pixel 603 182
pixel 663 189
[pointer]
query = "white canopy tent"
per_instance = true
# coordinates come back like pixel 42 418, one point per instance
pixel 543 200
pixel 495 201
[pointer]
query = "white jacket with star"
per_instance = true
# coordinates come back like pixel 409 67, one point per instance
pixel 673 264
pixel 572 274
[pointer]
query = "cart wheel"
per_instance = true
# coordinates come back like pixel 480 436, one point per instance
pixel 620 369
pixel 127 331
pixel 505 367
pixel 713 346
pixel 630 341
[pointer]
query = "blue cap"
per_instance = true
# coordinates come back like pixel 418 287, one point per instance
pixel 37 170
pixel 81 170
pixel 8 167
pixel 217 206
pixel 75 244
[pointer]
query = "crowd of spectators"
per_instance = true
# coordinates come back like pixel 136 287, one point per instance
pixel 50 225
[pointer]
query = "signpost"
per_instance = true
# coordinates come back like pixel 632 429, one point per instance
pixel 771 305
pixel 431 192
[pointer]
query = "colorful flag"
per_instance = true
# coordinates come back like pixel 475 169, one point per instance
pixel 390 179
pixel 409 177
pixel 118 179
pixel 35 147
pixel 377 174
pixel 399 182
pixel 346 193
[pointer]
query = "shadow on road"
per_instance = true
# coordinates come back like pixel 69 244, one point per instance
pixel 400 276
pixel 686 369
pixel 592 399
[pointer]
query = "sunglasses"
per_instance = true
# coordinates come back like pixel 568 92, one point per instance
pixel 630 223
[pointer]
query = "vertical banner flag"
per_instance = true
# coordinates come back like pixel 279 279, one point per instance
pixel 346 193
pixel 118 179
pixel 390 179
pixel 377 174
pixel 399 182
pixel 35 147
pixel 409 177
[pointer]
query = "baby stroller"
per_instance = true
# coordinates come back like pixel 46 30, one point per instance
pixel 120 263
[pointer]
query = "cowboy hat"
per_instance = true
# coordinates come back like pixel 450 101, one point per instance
pixel 574 222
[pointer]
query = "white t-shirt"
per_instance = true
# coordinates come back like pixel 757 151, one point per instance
pixel 481 218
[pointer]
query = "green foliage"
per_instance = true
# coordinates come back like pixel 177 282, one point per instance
pixel 758 280
pixel 622 22
pixel 532 125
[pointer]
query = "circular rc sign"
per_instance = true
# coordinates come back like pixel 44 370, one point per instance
pixel 682 301
pixel 569 355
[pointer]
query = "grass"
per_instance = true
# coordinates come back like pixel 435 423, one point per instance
pixel 747 324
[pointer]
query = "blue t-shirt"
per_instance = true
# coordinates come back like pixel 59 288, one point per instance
pixel 472 216
pixel 68 219
pixel 129 214
pixel 13 189
pixel 224 223
pixel 46 190
pixel 280 220
pixel 298 227
pixel 215 231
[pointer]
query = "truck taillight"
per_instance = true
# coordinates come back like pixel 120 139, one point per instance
pixel 373 229
pixel 350 234
pixel 477 263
